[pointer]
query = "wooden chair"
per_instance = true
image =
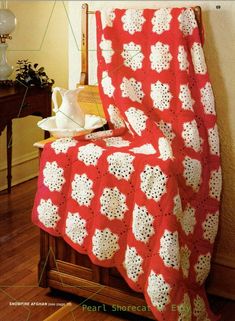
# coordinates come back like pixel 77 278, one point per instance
pixel 60 266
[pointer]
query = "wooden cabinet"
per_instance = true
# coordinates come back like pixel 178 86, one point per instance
pixel 63 268
pixel 18 102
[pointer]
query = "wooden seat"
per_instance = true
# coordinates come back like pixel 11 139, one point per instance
pixel 89 100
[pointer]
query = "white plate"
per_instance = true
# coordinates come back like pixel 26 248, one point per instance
pixel 92 122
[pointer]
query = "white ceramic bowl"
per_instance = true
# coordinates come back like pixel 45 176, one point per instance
pixel 91 122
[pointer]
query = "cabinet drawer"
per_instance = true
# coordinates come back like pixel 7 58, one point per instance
pixel 33 105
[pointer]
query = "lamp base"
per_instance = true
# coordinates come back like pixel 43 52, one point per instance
pixel 5 69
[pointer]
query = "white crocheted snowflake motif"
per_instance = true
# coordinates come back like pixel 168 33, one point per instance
pixel 107 17
pixel 160 57
pixel 113 203
pixel 202 267
pixel 184 260
pixel 161 20
pixel 215 184
pixel 165 149
pixel 161 95
pixel 53 176
pixel 133 263
pixel 188 220
pixel 207 99
pixel 142 225
pixel 199 310
pixel 76 228
pixel 185 97
pixel 169 249
pixel 62 145
pixel 133 20
pixel 89 154
pixel 137 119
pixel 182 58
pixel 82 189
pixel 191 137
pixel 106 83
pixel 132 55
pixel 115 117
pixel 106 49
pixel 166 129
pixel 153 182
pixel 210 226
pixel 158 290
pixel 104 244
pixel 198 59
pixel 185 309
pixel 187 21
pixel 121 165
pixel 116 142
pixel 213 139
pixel 48 213
pixel 192 172
pixel 132 89
pixel 146 149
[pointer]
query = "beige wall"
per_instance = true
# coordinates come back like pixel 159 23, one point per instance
pixel 47 45
pixel 220 54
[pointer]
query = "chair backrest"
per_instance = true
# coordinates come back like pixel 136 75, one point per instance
pixel 84 79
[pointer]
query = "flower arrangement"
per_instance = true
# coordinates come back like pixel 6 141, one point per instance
pixel 32 75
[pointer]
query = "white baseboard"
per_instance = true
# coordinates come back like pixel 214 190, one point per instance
pixel 24 167
pixel 19 181
pixel 20 160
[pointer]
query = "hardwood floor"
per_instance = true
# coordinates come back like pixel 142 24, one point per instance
pixel 20 297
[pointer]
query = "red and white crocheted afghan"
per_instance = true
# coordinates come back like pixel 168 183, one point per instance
pixel 143 196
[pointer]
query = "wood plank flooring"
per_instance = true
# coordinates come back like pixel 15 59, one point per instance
pixel 19 248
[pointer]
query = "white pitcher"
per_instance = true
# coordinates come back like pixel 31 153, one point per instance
pixel 69 115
